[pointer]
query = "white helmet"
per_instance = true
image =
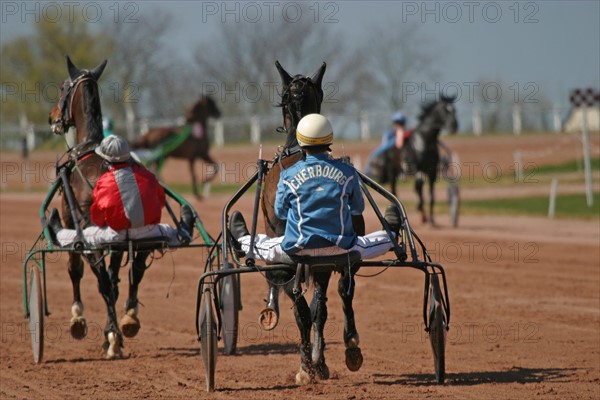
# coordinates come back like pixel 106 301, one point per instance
pixel 314 130
pixel 114 149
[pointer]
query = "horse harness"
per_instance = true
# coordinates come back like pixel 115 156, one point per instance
pixel 65 103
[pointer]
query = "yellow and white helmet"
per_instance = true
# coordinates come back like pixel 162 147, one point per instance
pixel 314 130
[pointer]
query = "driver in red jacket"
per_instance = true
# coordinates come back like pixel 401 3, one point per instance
pixel 128 196
pixel 128 201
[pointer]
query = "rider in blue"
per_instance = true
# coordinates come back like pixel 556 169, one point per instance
pixel 317 197
pixel 390 138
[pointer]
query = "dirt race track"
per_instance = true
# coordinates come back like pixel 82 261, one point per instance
pixel 525 296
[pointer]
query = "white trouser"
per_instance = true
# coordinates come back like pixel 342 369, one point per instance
pixel 95 235
pixel 269 249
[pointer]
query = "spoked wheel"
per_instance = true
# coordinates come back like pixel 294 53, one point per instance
pixel 208 332
pixel 229 298
pixel 453 202
pixel 36 314
pixel 437 329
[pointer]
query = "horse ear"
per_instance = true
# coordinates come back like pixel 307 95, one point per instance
pixel 447 99
pixel 74 72
pixel 285 77
pixel 317 78
pixel 96 72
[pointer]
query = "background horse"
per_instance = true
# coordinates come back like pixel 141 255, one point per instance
pixel 79 107
pixel 196 145
pixel 420 154
pixel 303 95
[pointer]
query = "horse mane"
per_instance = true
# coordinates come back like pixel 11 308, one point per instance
pixel 93 110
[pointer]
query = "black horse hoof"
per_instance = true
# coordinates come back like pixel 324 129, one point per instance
pixel 322 371
pixel 268 319
pixel 354 358
pixel 130 324
pixel 78 328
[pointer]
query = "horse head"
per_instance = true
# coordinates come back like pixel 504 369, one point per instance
pixel 301 95
pixel 74 104
pixel 203 109
pixel 439 115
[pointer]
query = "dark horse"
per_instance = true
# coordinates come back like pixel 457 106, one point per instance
pixel 79 107
pixel 303 95
pixel 420 155
pixel 196 145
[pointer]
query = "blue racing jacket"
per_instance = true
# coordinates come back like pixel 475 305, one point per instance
pixel 317 197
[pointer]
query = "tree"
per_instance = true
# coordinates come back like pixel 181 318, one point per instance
pixel 400 53
pixel 240 68
pixel 33 67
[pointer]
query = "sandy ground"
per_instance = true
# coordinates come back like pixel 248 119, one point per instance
pixel 525 296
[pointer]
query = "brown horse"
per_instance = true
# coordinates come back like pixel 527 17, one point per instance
pixel 196 145
pixel 302 95
pixel 79 107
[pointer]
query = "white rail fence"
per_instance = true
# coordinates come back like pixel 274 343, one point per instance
pixel 364 126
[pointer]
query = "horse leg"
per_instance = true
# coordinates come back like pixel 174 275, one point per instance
pixel 130 324
pixel 113 272
pixel 419 189
pixel 113 340
pixel 303 320
pixel 432 178
pixel 214 167
pixel 269 316
pixel 194 184
pixel 354 358
pixel 78 324
pixel 318 310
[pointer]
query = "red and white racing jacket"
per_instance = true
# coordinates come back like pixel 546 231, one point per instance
pixel 127 196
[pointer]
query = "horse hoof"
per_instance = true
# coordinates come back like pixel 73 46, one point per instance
pixel 114 347
pixel 268 319
pixel 354 358
pixel 130 324
pixel 322 371
pixel 78 328
pixel 303 377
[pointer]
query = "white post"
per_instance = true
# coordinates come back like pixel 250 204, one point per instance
pixel 144 126
pixel 517 159
pixel 552 202
pixel 219 136
pixel 516 115
pixel 587 166
pixel 30 138
pixel 556 120
pixel 254 129
pixel 477 124
pixel 365 130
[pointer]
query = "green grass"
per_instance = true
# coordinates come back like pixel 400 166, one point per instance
pixel 570 166
pixel 568 205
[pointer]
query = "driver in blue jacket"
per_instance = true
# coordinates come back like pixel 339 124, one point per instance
pixel 317 197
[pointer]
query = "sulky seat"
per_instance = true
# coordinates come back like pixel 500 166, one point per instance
pixel 308 264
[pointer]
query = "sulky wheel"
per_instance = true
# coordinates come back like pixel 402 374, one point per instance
pixel 36 314
pixel 208 332
pixel 454 202
pixel 437 329
pixel 229 297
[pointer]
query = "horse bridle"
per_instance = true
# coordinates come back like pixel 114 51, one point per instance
pixel 300 82
pixel 65 103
